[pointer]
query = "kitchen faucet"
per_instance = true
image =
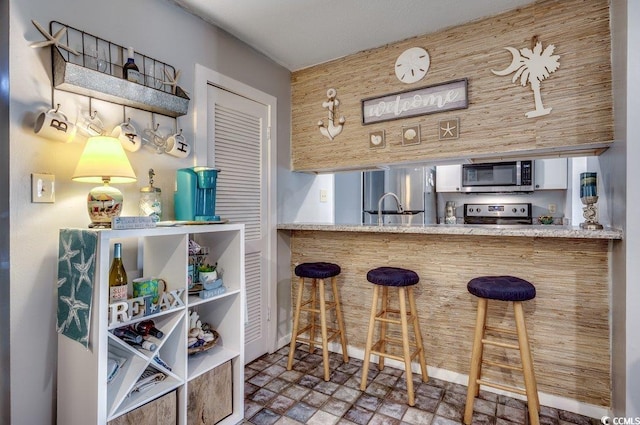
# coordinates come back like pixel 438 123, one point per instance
pixel 400 209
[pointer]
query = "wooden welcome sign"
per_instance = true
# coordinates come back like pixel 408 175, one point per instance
pixel 426 100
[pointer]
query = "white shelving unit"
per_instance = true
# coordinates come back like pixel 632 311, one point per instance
pixel 85 397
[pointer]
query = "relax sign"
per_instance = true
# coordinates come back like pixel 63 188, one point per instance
pixel 426 100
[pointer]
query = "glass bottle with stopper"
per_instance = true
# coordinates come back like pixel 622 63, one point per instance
pixel 450 212
pixel 589 197
pixel 151 200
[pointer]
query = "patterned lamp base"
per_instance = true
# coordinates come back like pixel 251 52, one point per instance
pixel 104 203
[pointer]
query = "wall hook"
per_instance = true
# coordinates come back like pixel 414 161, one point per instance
pixel 57 107
pixel 93 115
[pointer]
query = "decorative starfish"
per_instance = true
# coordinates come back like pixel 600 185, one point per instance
pixel 74 306
pixel 83 268
pixel 173 81
pixel 61 282
pixel 448 129
pixel 52 39
pixel 68 252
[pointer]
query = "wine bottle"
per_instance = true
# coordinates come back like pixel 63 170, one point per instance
pixel 117 277
pixel 147 327
pixel 130 70
pixel 128 336
pixel 146 345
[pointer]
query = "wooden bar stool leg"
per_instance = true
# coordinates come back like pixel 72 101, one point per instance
pixel 343 336
pixel 405 346
pixel 418 335
pixel 296 323
pixel 527 365
pixel 383 326
pixel 323 328
pixel 476 360
pixel 312 319
pixel 367 350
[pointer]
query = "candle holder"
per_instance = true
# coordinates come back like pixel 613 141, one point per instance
pixel 589 198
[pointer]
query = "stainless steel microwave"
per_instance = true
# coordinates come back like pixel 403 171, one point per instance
pixel 506 176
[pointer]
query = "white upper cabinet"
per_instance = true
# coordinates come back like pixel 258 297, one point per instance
pixel 448 178
pixel 550 174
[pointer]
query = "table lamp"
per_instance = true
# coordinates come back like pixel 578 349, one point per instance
pixel 104 161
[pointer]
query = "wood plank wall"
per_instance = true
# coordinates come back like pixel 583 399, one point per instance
pixel 567 322
pixel 579 92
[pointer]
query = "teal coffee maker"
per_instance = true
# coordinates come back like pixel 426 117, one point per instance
pixel 195 197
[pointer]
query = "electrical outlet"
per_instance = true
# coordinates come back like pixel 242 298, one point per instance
pixel 552 208
pixel 43 188
pixel 323 195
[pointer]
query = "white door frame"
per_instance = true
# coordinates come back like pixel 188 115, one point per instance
pixel 203 78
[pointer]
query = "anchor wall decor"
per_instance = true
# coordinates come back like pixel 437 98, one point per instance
pixel 331 130
pixel 532 66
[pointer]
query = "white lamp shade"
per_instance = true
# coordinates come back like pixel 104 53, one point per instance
pixel 103 159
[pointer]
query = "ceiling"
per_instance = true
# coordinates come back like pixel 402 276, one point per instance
pixel 302 33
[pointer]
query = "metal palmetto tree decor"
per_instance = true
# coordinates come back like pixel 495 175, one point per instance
pixel 532 66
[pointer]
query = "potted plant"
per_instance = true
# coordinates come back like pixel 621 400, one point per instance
pixel 207 273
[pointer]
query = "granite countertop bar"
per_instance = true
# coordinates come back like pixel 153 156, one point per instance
pixel 535 231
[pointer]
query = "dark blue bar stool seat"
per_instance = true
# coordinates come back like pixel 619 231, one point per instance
pixel 317 305
pixel 403 281
pixel 503 288
pixel 510 289
pixel 318 270
pixel 392 276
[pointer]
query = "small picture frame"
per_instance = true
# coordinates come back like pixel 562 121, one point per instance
pixel 376 139
pixel 449 129
pixel 411 135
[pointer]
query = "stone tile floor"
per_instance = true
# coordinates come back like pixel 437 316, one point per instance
pixel 274 395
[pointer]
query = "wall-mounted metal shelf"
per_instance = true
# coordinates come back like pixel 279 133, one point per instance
pixel 97 73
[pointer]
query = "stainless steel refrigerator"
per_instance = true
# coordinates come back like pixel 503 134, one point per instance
pixel 415 188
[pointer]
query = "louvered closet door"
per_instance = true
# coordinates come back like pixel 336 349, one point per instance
pixel 239 146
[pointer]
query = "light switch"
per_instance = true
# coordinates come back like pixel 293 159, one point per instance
pixel 43 188
pixel 323 195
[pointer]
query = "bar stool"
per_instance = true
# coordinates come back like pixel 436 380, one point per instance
pixel 317 272
pixel 502 288
pixel 403 280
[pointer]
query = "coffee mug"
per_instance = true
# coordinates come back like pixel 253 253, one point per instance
pixel 128 136
pixel 91 125
pixel 53 124
pixel 154 140
pixel 144 286
pixel 178 146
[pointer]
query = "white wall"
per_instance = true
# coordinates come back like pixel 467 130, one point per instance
pixel 5 289
pixel 300 196
pixel 627 207
pixel 620 172
pixel 156 28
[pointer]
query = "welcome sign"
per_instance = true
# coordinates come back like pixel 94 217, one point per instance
pixel 426 100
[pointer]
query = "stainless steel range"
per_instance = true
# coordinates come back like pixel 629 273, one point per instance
pixel 497 214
